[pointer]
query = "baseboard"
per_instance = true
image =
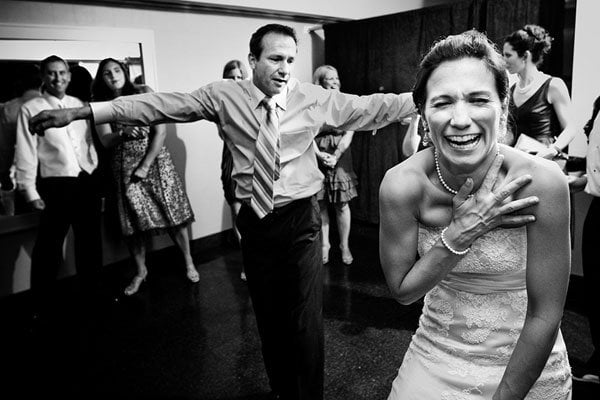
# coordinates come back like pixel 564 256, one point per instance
pixel 204 246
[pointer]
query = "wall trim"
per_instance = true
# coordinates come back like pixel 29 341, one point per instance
pixel 206 8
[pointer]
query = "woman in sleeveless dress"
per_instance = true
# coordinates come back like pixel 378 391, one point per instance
pixel 335 162
pixel 488 227
pixel 148 191
pixel 539 104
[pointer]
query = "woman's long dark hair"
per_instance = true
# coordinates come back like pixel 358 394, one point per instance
pixel 101 91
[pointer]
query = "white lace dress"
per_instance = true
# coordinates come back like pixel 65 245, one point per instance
pixel 470 324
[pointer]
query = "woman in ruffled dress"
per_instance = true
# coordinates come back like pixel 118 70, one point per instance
pixel 335 161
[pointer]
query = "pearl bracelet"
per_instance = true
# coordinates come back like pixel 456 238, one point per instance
pixel 450 249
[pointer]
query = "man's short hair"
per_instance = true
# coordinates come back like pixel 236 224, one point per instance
pixel 51 59
pixel 256 39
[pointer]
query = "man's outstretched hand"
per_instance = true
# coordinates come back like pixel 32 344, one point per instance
pixel 56 119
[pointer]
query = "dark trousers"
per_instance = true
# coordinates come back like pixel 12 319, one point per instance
pixel 283 264
pixel 70 202
pixel 591 274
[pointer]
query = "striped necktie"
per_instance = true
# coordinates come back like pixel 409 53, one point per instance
pixel 266 161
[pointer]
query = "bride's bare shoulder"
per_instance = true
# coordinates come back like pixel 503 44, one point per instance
pixel 546 174
pixel 405 181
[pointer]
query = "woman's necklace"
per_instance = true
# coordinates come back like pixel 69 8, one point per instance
pixel 525 88
pixel 439 172
pixel 530 85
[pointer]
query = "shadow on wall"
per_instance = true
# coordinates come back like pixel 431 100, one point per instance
pixel 176 147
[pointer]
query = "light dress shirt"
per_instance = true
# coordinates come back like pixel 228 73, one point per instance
pixel 61 152
pixel 593 160
pixel 8 131
pixel 303 109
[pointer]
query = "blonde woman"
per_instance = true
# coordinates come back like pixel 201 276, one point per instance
pixel 335 161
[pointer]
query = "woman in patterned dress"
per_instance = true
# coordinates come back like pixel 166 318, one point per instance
pixel 149 193
pixel 335 162
pixel 482 231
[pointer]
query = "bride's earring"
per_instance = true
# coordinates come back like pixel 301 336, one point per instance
pixel 426 136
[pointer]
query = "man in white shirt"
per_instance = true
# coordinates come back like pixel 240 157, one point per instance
pixel 55 175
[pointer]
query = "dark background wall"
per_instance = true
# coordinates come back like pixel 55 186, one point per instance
pixel 382 54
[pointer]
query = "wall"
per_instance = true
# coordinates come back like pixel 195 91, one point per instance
pixel 346 9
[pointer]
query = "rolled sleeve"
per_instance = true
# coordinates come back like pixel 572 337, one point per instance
pixel 102 112
pixel 359 113
pixel 156 108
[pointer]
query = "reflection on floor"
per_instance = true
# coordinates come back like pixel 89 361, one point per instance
pixel 177 340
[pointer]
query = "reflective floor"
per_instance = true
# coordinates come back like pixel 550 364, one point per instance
pixel 177 340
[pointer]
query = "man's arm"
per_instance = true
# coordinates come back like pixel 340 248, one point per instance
pixel 363 113
pixel 140 109
pixel 7 150
pixel 57 118
pixel 26 161
pixel 587 129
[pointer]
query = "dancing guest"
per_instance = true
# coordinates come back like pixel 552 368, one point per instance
pixel 149 193
pixel 539 104
pixel 335 162
pixel 269 124
pixel 491 228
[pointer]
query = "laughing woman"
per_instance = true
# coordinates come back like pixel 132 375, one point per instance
pixel 491 229
pixel 149 193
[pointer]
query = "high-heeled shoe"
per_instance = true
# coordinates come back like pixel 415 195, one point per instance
pixel 134 286
pixel 192 274
pixel 346 255
pixel 325 251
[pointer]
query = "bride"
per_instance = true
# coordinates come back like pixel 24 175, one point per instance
pixel 490 226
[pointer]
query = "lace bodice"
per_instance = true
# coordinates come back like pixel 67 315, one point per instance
pixel 496 261
pixel 498 251
pixel 470 324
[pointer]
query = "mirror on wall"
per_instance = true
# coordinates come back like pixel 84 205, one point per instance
pixel 23 47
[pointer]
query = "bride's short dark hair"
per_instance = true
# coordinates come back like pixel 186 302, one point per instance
pixel 469 44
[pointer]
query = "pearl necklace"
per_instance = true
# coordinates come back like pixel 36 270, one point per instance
pixel 439 172
pixel 526 88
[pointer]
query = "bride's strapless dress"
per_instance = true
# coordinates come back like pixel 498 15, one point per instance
pixel 470 324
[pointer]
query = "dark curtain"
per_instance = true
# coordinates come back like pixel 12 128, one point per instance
pixel 382 55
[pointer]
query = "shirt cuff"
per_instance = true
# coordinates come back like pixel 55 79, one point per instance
pixel 102 112
pixel 30 194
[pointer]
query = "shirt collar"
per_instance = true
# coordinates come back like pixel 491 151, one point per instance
pixel 280 99
pixel 55 101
